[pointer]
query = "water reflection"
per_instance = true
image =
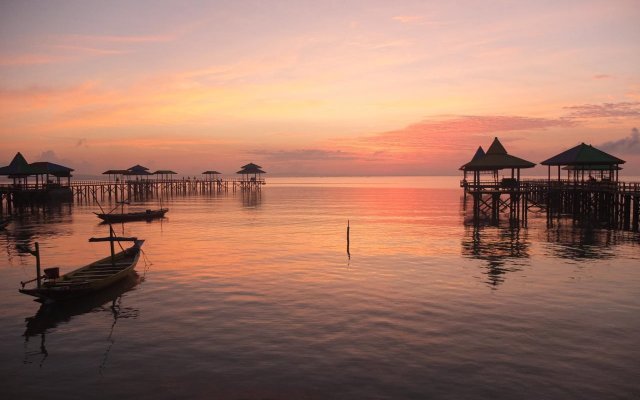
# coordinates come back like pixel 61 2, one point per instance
pixel 51 315
pixel 503 248
pixel 251 198
pixel 574 242
pixel 54 220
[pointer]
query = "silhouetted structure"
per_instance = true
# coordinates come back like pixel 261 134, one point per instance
pixel 251 182
pixel 493 195
pixel 47 186
pixel 585 159
pixel 591 192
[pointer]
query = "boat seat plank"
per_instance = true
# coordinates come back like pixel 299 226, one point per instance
pixel 111 264
pixel 89 276
pixel 102 269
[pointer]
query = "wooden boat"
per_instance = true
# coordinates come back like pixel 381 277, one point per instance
pixel 51 314
pixel 88 279
pixel 133 216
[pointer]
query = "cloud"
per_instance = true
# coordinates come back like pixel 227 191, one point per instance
pixel 49 155
pixel 71 48
pixel 118 38
pixel 602 76
pixel 626 145
pixel 606 110
pixel 27 59
pixel 305 155
pixel 455 131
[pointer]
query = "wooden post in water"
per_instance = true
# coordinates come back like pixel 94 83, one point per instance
pixel 348 252
pixel 37 254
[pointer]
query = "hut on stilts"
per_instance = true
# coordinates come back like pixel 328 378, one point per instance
pixel 491 194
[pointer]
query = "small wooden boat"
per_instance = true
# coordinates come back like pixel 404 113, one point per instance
pixel 87 279
pixel 133 216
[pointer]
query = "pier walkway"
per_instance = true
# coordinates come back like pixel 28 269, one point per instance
pixel 88 191
pixel 606 203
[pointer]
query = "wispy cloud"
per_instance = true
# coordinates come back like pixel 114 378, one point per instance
pixel 602 76
pixel 606 110
pixel 78 50
pixel 72 48
pixel 116 38
pixel 305 155
pixel 626 145
pixel 28 59
pixel 449 132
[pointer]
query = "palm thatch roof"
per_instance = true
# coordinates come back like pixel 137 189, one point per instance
pixel 496 158
pixel 251 165
pixel 138 170
pixel 479 153
pixel 251 168
pixel 18 167
pixel 591 168
pixel 164 172
pixel 49 168
pixel 116 172
pixel 583 155
pixel 211 173
pixel 251 171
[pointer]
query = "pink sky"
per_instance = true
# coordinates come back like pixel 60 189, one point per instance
pixel 301 88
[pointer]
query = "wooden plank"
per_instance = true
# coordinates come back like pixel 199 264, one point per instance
pixel 113 239
pixel 111 265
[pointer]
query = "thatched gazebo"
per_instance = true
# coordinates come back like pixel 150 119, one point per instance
pixel 138 170
pixel 587 159
pixel 495 159
pixel 251 169
pixel 164 174
pixel 211 175
pixel 479 153
pixel 116 173
pixel 47 169
pixel 19 170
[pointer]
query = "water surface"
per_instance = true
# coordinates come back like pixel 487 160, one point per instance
pixel 253 296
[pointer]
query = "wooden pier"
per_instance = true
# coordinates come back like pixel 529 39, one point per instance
pixel 591 193
pixel 606 204
pixel 12 196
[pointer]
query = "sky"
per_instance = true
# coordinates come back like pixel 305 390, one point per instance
pixel 316 88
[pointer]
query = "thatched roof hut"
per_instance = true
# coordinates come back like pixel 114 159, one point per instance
pixel 251 169
pixel 20 169
pixel 138 170
pixel 584 157
pixel 496 158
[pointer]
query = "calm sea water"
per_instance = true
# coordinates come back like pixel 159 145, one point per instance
pixel 253 296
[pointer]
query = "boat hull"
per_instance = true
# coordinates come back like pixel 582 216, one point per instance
pixel 134 216
pixel 90 278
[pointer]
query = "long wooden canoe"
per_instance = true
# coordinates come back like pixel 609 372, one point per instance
pixel 87 279
pixel 133 216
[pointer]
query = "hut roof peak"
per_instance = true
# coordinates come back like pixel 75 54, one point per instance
pixel 583 154
pixel 479 153
pixel 496 147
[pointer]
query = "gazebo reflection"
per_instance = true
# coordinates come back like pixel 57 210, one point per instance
pixel 504 249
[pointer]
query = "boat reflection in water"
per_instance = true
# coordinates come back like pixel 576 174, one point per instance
pixel 503 248
pixel 51 315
